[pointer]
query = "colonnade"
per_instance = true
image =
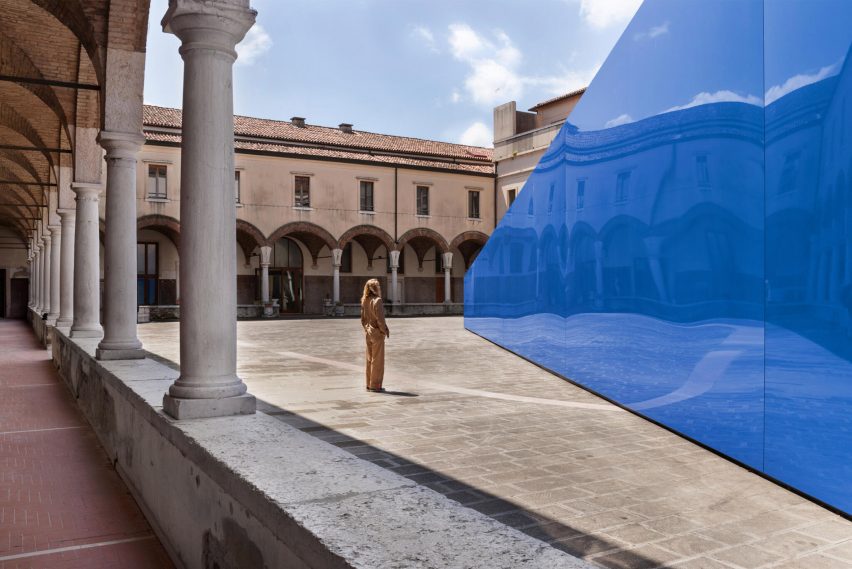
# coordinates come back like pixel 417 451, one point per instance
pixel 64 257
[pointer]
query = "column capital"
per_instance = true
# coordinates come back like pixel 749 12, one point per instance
pixel 45 239
pixel 67 214
pixel 265 255
pixel 209 24
pixel 54 229
pixel 121 144
pixel 447 258
pixel 85 191
pixel 394 259
pixel 337 257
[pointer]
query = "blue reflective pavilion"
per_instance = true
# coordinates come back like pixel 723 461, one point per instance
pixel 685 245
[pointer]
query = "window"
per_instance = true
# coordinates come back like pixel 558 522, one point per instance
pixel 702 172
pixel 346 259
pixel 789 173
pixel 366 195
pixel 237 186
pixel 422 200
pixel 157 182
pixel 510 197
pixel 581 194
pixel 621 187
pixel 550 196
pixel 146 274
pixel 473 204
pixel 302 191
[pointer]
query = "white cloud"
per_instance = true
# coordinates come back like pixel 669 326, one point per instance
pixel 652 33
pixel 798 81
pixel 725 96
pixel 605 13
pixel 456 96
pixel 477 134
pixel 619 120
pixel 255 44
pixel 495 76
pixel 425 35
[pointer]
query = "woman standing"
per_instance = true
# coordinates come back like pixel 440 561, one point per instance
pixel 373 321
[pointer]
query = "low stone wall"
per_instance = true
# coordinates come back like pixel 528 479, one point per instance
pixel 40 327
pixel 252 492
pixel 430 309
pixel 155 313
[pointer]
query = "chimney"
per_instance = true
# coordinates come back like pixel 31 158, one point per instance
pixel 298 121
pixel 345 127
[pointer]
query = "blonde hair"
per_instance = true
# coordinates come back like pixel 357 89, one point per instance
pixel 371 289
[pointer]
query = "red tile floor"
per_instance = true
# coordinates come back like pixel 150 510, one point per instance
pixel 62 505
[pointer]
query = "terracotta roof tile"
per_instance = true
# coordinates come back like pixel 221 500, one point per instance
pixel 320 135
pixel 295 150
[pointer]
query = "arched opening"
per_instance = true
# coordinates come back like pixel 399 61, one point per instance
pixel 286 276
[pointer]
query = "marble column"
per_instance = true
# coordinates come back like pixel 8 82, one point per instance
pixel 208 385
pixel 394 286
pixel 448 269
pixel 336 261
pixel 30 279
pixel 87 272
pixel 45 274
pixel 120 341
pixel 265 258
pixel 36 274
pixel 66 268
pixel 55 268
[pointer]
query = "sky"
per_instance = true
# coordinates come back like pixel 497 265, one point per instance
pixel 430 69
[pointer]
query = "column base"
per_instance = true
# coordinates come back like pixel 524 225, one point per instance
pixel 126 354
pixel 182 409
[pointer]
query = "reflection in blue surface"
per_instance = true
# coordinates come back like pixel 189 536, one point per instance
pixel 683 248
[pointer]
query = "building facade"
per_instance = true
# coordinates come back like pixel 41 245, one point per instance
pixel 318 204
pixel 521 139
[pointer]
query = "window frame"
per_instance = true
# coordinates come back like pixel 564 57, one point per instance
pixel 158 195
pixel 581 195
pixel 417 193
pixel 622 187
pixel 362 194
pixel 238 188
pixel 145 275
pixel 470 202
pixel 301 200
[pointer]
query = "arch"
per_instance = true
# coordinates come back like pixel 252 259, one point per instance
pixel 312 235
pixel 249 237
pixel 168 226
pixel 469 244
pixel 421 239
pixel 370 238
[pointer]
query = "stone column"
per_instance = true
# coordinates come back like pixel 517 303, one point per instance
pixel 208 385
pixel 336 260
pixel 87 281
pixel 45 274
pixel 66 267
pixel 30 279
pixel 39 264
pixel 394 287
pixel 55 268
pixel 448 269
pixel 120 341
pixel 34 276
pixel 265 258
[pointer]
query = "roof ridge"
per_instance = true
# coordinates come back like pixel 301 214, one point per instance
pixel 336 130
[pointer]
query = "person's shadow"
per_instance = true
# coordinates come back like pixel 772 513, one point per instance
pixel 399 393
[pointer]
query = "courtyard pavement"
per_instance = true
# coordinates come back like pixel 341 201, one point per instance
pixel 62 505
pixel 500 435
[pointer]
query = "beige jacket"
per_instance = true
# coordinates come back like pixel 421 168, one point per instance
pixel 373 314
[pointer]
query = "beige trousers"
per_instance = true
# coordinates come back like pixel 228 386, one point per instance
pixel 375 357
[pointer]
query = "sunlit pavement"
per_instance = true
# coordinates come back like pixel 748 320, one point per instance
pixel 494 432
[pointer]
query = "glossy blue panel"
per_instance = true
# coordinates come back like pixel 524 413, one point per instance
pixel 809 247
pixel 683 249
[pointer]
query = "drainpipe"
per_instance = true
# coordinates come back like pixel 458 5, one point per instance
pixel 395 204
pixel 495 197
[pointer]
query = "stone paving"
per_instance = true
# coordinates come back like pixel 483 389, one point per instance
pixel 500 435
pixel 62 506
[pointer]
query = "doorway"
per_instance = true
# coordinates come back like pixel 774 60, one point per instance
pixel 2 293
pixel 286 277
